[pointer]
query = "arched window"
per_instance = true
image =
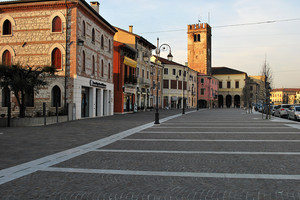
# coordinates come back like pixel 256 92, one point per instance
pixel 56 59
pixel 5 97
pixel 198 37
pixel 83 61
pixel 56 96
pixel 83 28
pixel 108 70
pixel 56 24
pixel 102 68
pixel 6 28
pixel 93 35
pixel 6 58
pixel 93 65
pixel 102 42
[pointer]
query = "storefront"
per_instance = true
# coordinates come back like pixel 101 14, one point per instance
pixel 129 99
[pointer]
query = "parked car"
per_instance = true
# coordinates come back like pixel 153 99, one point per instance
pixel 281 111
pixel 294 112
pixel 273 109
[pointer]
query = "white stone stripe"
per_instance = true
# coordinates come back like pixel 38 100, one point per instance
pixel 297 126
pixel 207 132
pixel 224 127
pixel 196 140
pixel 199 152
pixel 24 169
pixel 175 174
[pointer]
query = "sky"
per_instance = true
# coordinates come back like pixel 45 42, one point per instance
pixel 244 47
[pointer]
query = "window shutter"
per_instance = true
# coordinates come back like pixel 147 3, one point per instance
pixel 56 58
pixel 6 58
pixel 56 24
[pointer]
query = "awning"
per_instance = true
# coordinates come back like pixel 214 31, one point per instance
pixel 130 62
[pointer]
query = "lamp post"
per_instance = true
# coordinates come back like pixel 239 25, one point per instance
pixel 163 47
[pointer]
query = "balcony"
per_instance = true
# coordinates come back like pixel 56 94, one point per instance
pixel 130 80
pixel 144 81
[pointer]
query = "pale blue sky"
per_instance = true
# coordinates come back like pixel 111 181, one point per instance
pixel 243 47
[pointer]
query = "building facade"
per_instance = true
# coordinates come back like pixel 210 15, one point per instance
pixel 125 80
pixel 72 37
pixel 231 85
pixel 208 91
pixel 284 96
pixel 156 79
pixel 144 52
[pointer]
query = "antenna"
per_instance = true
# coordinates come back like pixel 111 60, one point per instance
pixel 199 18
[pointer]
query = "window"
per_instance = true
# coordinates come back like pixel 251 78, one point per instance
pixel 197 38
pixel 108 70
pixel 202 80
pixel 143 73
pixel 237 84
pixel 83 28
pixel 202 91
pixel 179 85
pixel 29 98
pixel 93 36
pixel 102 42
pixel 6 58
pixel 147 74
pixel 166 71
pixel 251 88
pixel 102 68
pixel 174 71
pixel 158 85
pixel 56 24
pixel 220 84
pixel 228 84
pixel 179 72
pixel 6 28
pixel 166 84
pixel 173 84
pixel 5 97
pixel 83 61
pixel 93 65
pixel 184 85
pixel 137 72
pixel 109 46
pixel 56 58
pixel 56 96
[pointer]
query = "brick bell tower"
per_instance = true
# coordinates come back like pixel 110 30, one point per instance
pixel 199 47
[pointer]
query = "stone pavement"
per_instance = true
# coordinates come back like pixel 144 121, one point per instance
pixel 205 154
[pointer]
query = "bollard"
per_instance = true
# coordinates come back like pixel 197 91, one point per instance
pixel 8 113
pixel 44 113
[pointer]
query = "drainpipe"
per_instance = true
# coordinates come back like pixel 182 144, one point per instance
pixel 66 61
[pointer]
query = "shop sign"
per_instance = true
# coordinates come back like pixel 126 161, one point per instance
pixel 129 90
pixel 97 84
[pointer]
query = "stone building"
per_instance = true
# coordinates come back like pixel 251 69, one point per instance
pixel 284 95
pixel 144 52
pixel 72 37
pixel 231 84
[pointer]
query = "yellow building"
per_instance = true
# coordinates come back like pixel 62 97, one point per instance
pixel 284 95
pixel 231 84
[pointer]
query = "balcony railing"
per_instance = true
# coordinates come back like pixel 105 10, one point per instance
pixel 130 80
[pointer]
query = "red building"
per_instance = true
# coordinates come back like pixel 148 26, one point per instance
pixel 208 87
pixel 125 81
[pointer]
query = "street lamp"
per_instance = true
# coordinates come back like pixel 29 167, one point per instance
pixel 163 47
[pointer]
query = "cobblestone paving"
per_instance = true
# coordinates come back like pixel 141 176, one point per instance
pixel 260 147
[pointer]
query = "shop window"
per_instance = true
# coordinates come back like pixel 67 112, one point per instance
pixel 56 59
pixel 56 24
pixel 93 36
pixel 56 96
pixel 83 61
pixel 5 97
pixel 6 58
pixel 7 28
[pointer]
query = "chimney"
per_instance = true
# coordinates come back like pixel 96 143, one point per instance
pixel 95 5
pixel 130 28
